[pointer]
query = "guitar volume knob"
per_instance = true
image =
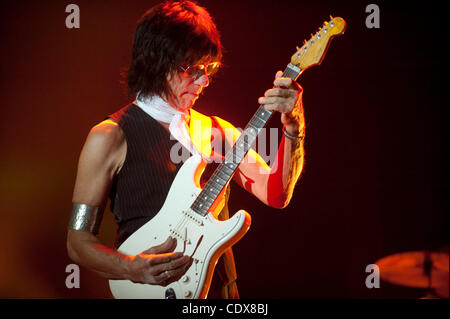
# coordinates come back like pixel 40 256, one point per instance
pixel 187 293
pixel 185 279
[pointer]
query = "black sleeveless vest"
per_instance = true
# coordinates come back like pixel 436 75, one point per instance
pixel 140 188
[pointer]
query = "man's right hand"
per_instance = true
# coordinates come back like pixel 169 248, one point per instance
pixel 158 265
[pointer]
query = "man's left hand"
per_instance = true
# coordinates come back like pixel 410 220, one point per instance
pixel 286 97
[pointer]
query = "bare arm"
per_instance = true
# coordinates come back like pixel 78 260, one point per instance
pixel 85 249
pixel 148 267
pixel 100 160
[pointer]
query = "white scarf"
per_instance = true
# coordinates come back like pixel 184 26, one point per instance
pixel 162 111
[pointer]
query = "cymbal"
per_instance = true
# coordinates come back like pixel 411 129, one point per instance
pixel 419 269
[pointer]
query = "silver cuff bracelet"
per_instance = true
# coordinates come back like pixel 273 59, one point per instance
pixel 86 218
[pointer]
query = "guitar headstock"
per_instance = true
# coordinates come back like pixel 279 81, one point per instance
pixel 313 50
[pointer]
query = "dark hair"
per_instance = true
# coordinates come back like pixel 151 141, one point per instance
pixel 169 35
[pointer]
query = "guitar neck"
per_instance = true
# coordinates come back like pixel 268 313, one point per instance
pixel 224 172
pixel 311 53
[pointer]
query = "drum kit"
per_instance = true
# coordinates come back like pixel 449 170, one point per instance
pixel 418 269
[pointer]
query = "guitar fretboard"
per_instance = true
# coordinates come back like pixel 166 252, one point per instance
pixel 236 154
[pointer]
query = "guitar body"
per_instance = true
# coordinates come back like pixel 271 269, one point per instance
pixel 203 236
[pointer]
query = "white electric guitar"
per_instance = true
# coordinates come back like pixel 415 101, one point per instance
pixel 188 211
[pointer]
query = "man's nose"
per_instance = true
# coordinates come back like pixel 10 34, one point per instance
pixel 203 79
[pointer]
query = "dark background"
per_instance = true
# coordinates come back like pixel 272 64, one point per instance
pixel 375 179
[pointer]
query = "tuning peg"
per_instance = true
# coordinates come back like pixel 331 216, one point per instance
pixel 325 23
pixel 331 17
pixel 298 49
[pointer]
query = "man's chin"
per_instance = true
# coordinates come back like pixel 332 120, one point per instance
pixel 188 105
pixel 186 108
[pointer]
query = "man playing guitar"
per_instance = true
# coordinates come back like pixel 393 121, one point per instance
pixel 127 156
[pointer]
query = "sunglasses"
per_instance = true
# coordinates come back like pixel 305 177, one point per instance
pixel 200 69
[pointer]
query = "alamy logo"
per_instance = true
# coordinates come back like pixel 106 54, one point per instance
pixel 373 19
pixel 373 280
pixel 266 145
pixel 73 279
pixel 73 19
